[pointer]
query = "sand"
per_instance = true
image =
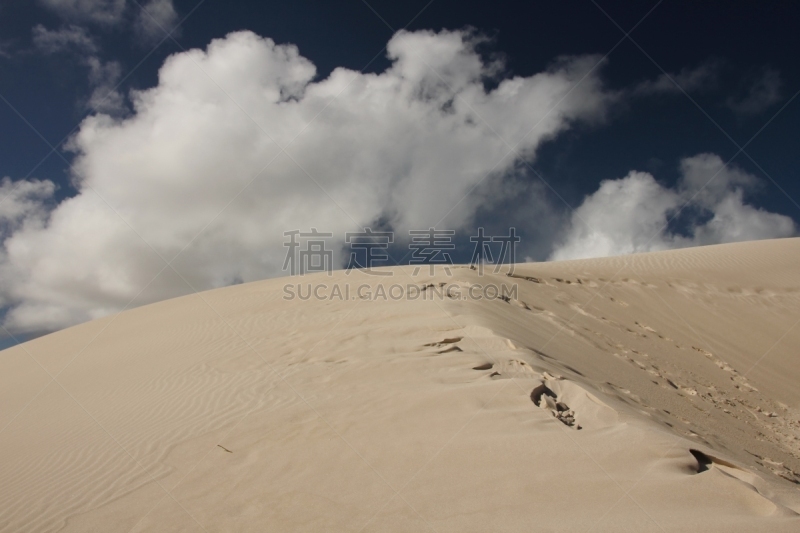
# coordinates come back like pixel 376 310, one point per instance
pixel 656 392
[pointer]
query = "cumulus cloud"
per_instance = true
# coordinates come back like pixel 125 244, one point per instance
pixel 22 202
pixel 764 92
pixel 197 173
pixel 623 216
pixel 23 205
pixel 106 12
pixel 633 214
pixel 156 20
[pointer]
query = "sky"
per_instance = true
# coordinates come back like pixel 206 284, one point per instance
pixel 153 148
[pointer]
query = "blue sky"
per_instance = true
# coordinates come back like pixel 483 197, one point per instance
pixel 129 140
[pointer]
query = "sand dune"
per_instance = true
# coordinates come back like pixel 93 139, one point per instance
pixel 656 392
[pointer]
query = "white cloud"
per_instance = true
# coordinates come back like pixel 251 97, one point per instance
pixel 22 202
pixel 633 214
pixel 395 146
pixel 103 79
pixel 734 221
pixel 764 92
pixel 150 18
pixel 69 38
pixel 24 206
pixel 621 217
pixel 155 20
pixel 699 78
pixel 104 76
pixel 106 12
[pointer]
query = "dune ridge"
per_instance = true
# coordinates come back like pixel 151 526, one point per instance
pixel 655 392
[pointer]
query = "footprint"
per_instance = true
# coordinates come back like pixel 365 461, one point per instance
pixel 514 368
pixel 704 352
pixel 543 397
pixel 445 342
pixel 450 350
pixel 704 461
pixel 526 278
pixel 541 393
pixel 449 345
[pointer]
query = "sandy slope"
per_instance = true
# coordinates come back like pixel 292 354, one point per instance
pixel 236 410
